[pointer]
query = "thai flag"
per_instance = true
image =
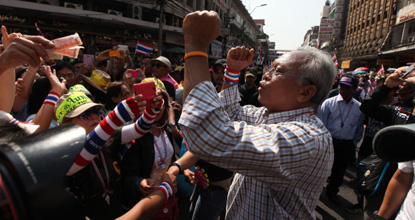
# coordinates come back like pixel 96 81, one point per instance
pixel 341 71
pixel 381 71
pixel 233 45
pixel 181 61
pixel 260 59
pixel 143 49
pixel 38 30
pixel 334 58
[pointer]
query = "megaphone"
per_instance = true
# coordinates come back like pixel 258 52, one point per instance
pixel 395 143
pixel 32 171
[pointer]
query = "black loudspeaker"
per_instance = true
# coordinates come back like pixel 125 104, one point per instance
pixel 31 175
pixel 395 143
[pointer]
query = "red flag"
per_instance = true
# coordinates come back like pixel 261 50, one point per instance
pixel 381 71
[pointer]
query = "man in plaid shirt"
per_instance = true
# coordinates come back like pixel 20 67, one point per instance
pixel 282 153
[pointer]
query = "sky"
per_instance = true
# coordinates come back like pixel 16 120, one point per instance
pixel 286 21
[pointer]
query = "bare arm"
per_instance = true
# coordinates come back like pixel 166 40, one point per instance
pixel 45 113
pixel 187 160
pixel 148 207
pixel 395 194
pixel 27 83
pixel 197 37
pixel 238 58
pixel 18 50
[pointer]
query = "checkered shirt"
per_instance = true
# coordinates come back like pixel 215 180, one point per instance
pixel 282 160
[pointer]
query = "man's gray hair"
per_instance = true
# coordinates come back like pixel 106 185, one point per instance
pixel 318 67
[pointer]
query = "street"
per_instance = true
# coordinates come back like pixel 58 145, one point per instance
pixel 327 210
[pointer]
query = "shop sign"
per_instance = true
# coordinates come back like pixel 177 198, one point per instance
pixel 326 22
pixel 215 50
pixel 12 18
pixel 325 36
pixel 406 17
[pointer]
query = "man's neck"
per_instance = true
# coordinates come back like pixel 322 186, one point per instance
pixel 248 86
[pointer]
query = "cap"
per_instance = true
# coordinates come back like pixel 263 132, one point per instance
pixel 79 88
pixel 222 62
pixel 99 79
pixel 72 105
pixel 163 60
pixel 250 72
pixel 159 84
pixel 349 81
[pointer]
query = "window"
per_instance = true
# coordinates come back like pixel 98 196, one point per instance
pixel 189 3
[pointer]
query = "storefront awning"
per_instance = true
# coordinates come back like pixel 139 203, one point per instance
pixel 346 64
pixel 385 62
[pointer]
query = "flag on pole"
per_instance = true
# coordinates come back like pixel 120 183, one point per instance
pixel 260 59
pixel 143 49
pixel 381 71
pixel 38 30
pixel 341 71
pixel 334 58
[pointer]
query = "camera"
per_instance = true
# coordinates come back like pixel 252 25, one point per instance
pixel 395 143
pixel 32 169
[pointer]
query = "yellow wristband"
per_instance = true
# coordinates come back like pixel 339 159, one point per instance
pixel 195 53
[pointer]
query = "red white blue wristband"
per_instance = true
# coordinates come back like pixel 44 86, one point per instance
pixel 231 76
pixel 166 189
pixel 52 98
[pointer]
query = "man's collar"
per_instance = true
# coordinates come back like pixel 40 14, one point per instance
pixel 290 115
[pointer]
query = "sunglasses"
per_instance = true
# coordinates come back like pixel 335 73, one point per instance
pixel 86 115
pixel 158 65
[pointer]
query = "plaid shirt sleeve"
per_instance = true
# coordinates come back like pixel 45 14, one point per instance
pixel 230 99
pixel 272 153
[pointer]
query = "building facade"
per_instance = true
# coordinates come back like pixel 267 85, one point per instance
pixel 103 24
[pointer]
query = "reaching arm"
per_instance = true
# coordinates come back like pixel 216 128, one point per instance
pixel 18 50
pixel 395 194
pixel 148 207
pixel 26 84
pixel 45 113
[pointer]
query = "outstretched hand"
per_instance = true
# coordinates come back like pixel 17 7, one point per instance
pixel 57 86
pixel 24 49
pixel 239 57
pixel 200 28
pixel 394 79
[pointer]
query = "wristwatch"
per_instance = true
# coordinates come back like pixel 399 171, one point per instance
pixel 376 216
pixel 172 124
pixel 177 164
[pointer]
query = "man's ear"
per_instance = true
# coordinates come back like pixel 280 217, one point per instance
pixel 307 93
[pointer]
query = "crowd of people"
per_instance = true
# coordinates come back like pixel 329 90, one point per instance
pixel 250 141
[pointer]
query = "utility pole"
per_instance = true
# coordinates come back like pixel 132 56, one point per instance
pixel 161 20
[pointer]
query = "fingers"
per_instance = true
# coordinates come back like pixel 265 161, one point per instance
pixel 38 44
pixel 138 97
pixel 47 44
pixel 251 54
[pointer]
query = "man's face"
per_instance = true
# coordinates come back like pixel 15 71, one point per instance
pixel 346 92
pixel 68 75
pixel 77 67
pixel 280 87
pixel 218 74
pixel 160 69
pixel 146 63
pixel 250 80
